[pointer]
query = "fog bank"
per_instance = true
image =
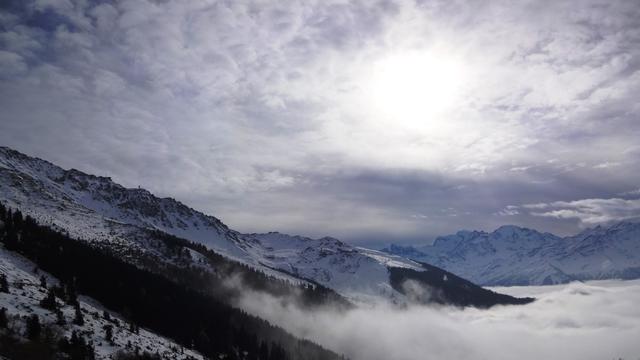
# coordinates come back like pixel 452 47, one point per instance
pixel 596 320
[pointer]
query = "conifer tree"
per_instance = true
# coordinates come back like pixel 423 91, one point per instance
pixel 4 284
pixel 3 318
pixel 76 347
pixel 78 318
pixel 11 239
pixel 71 297
pixel 108 333
pixel 49 301
pixel 264 351
pixel 60 320
pixel 33 327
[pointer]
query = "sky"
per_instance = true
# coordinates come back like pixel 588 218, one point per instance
pixel 372 121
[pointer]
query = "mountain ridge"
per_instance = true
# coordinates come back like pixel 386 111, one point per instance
pixel 513 255
pixel 96 209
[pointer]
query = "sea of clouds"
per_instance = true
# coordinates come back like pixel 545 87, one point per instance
pixel 596 320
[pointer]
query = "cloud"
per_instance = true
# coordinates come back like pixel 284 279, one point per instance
pixel 509 210
pixel 12 63
pixel 631 192
pixel 590 211
pixel 606 165
pixel 598 320
pixel 245 110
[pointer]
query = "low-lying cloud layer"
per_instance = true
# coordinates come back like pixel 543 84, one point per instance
pixel 593 321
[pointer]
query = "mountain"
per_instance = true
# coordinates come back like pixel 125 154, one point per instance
pixel 514 255
pixel 23 299
pixel 135 223
pixel 366 275
pixel 76 272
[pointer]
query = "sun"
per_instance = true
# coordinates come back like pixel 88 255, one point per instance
pixel 416 89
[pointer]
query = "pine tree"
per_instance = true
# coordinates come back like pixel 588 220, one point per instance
pixel 71 297
pixel 3 318
pixel 18 220
pixel 264 351
pixel 60 320
pixel 76 347
pixel 4 284
pixel 33 327
pixel 277 352
pixel 11 240
pixel 108 333
pixel 49 301
pixel 43 281
pixel 78 319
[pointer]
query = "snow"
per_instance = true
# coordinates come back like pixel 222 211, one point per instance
pixel 24 297
pixel 357 273
pixel 518 256
pixel 102 212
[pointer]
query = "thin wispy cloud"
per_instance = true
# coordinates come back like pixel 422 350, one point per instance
pixel 307 117
pixel 589 211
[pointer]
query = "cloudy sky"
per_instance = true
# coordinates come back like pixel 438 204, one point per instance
pixel 375 122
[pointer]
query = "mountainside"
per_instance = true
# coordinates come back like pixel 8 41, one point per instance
pixel 106 214
pixel 513 255
pixel 192 316
pixel 85 319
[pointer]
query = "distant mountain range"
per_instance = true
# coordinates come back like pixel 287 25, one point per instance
pixel 514 255
pixel 132 222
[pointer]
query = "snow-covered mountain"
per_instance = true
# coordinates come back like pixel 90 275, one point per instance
pixel 514 255
pixel 22 300
pixel 98 210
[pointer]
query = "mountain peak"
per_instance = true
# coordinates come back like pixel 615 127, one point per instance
pixel 627 223
pixel 511 228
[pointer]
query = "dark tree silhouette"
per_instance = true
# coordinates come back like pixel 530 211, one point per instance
pixel 49 301
pixel 108 333
pixel 76 347
pixel 33 327
pixel 3 318
pixel 4 283
pixel 71 296
pixel 60 320
pixel 78 319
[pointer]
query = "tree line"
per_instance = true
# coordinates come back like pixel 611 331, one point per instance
pixel 192 318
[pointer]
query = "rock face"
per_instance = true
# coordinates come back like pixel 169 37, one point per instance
pixel 513 255
pixel 97 210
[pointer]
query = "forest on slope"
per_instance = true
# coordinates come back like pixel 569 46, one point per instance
pixel 194 319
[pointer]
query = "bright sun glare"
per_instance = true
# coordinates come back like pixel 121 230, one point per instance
pixel 415 89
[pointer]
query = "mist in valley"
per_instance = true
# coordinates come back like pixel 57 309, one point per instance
pixel 594 320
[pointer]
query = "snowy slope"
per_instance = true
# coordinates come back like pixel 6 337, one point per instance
pixel 98 210
pixel 356 273
pixel 23 300
pixel 91 207
pixel 513 255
